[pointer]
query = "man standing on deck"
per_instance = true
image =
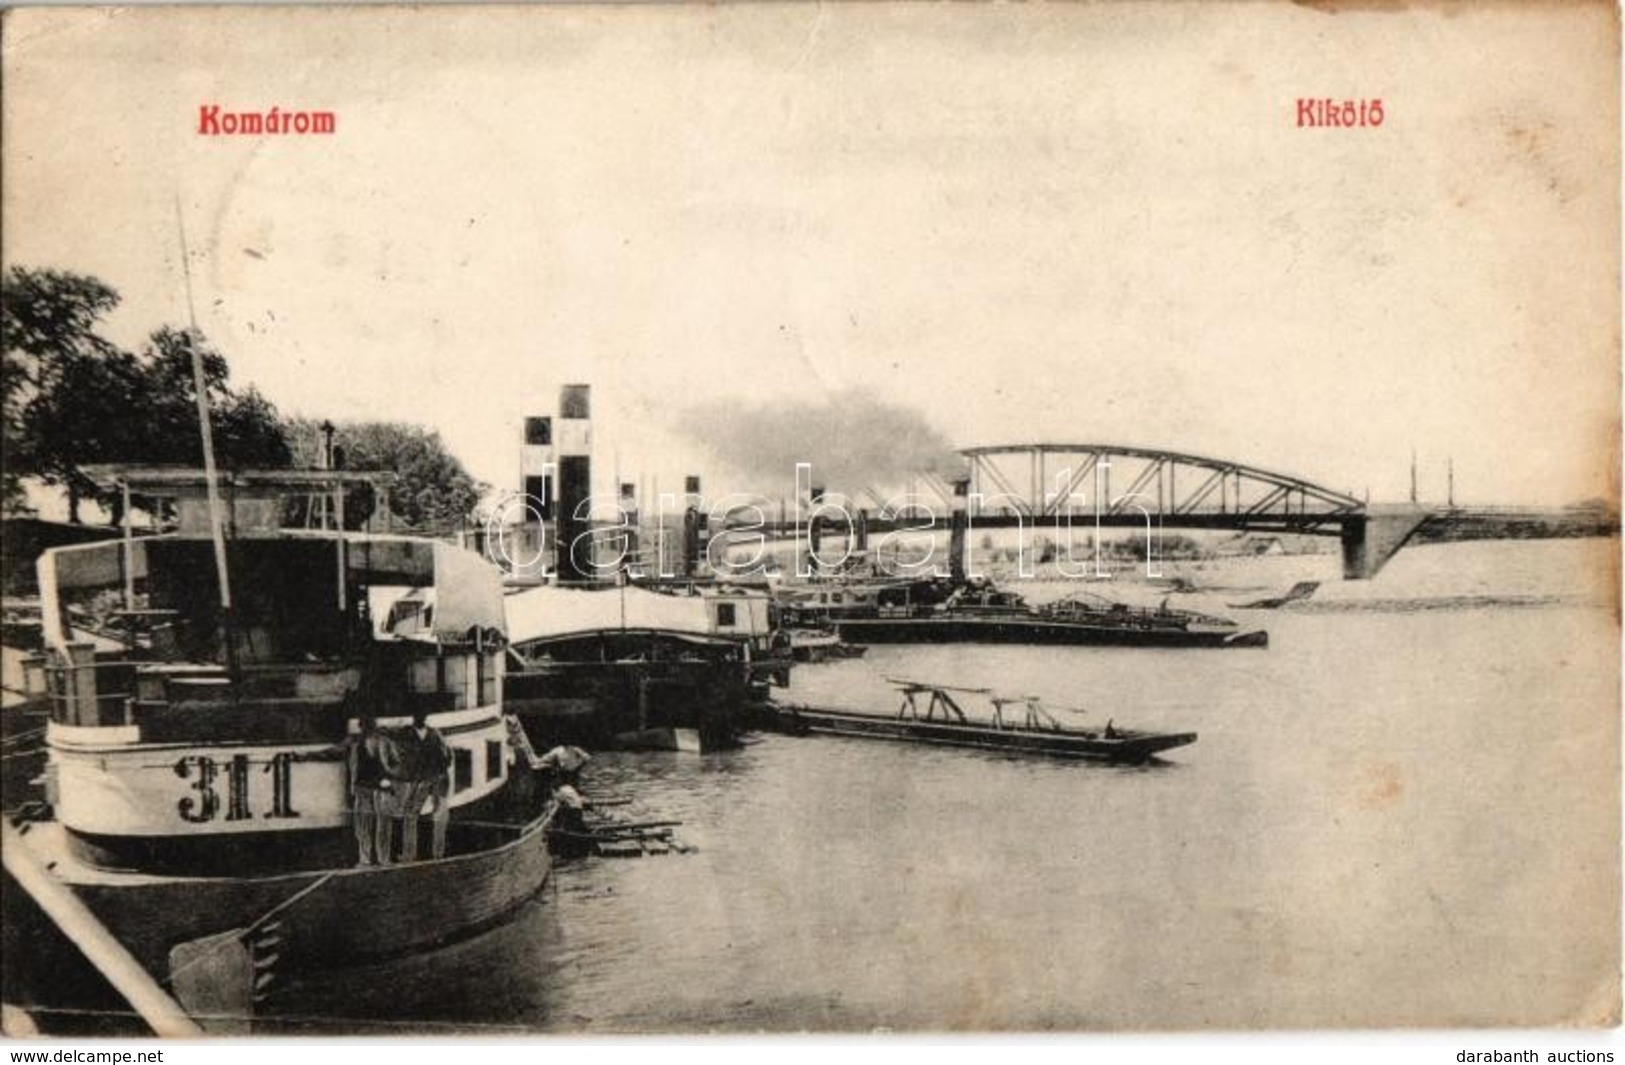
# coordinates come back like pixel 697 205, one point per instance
pixel 423 771
pixel 370 789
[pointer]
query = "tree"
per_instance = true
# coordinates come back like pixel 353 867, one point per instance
pixel 247 431
pixel 48 323
pixel 432 489
pixel 72 398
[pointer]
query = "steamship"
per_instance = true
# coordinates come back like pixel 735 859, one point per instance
pixel 600 658
pixel 200 683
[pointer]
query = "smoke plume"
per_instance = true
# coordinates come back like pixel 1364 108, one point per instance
pixel 851 439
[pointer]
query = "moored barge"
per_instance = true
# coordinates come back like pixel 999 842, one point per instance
pixel 943 723
pixel 948 610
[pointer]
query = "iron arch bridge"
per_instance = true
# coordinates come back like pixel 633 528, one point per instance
pixel 1130 485
pixel 1115 485
pixel 1029 485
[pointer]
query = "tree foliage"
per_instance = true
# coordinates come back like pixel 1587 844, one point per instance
pixel 73 398
pixel 247 431
pixel 432 489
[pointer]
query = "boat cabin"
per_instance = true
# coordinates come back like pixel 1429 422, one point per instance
pixel 192 676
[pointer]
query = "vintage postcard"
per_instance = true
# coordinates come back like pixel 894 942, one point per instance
pixel 803 517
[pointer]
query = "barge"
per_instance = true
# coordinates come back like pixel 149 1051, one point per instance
pixel 944 723
pixel 949 610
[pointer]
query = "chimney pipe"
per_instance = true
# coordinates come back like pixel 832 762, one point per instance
pixel 574 445
pixel 629 517
pixel 695 527
pixel 815 531
pixel 956 533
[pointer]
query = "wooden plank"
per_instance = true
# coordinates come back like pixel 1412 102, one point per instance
pixel 161 1013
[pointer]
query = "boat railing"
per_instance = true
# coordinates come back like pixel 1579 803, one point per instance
pixel 183 681
pixel 1081 608
pixel 1034 719
pixel 86 693
pixel 972 609
pixel 426 703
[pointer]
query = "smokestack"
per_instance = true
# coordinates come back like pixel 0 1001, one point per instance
pixel 536 466
pixel 956 533
pixel 815 530
pixel 629 517
pixel 574 447
pixel 527 552
pixel 696 526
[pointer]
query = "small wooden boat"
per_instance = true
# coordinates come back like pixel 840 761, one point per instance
pixel 817 644
pixel 604 838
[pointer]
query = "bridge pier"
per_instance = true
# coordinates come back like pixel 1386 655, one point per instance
pixel 1372 538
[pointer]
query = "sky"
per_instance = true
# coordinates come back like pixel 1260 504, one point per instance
pixel 994 224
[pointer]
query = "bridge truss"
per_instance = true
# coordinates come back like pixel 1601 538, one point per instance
pixel 1130 485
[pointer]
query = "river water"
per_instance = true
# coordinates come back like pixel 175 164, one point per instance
pixel 1404 812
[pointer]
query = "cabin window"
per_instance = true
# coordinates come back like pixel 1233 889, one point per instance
pixel 426 675
pixel 493 760
pixel 401 611
pixel 462 769
pixel 490 678
pixel 725 615
pixel 457 679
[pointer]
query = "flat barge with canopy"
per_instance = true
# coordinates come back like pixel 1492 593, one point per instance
pixel 942 722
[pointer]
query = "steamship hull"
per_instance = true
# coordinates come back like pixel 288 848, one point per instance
pixel 613 666
pixel 655 686
pixel 320 918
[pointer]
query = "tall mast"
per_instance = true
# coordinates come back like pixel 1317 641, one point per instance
pixel 200 385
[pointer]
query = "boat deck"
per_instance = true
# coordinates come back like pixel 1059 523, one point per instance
pixel 49 842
